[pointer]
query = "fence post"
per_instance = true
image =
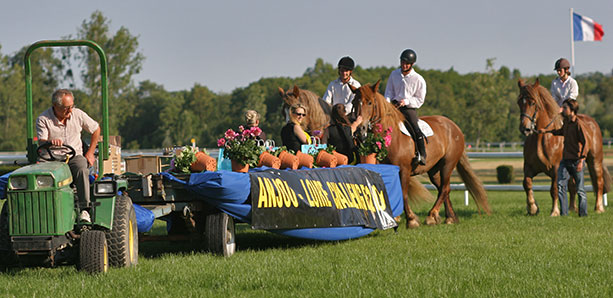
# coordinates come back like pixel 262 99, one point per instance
pixel 604 197
pixel 466 197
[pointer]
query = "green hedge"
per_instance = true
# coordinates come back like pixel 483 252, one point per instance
pixel 504 173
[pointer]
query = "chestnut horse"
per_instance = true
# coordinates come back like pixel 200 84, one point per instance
pixel 543 152
pixel 318 111
pixel 445 152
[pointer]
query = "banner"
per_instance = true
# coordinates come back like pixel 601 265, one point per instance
pixel 319 198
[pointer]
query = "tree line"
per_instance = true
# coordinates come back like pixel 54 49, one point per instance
pixel 145 115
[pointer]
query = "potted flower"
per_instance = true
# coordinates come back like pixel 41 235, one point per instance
pixel 374 146
pixel 188 159
pixel 241 147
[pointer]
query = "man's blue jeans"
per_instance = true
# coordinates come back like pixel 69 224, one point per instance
pixel 567 169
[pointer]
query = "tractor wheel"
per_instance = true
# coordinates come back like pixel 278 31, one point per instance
pixel 93 252
pixel 7 256
pixel 219 234
pixel 123 237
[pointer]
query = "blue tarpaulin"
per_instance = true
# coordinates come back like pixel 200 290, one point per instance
pixel 229 192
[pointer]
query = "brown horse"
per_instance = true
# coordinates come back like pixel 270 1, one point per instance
pixel 543 152
pixel 445 152
pixel 318 111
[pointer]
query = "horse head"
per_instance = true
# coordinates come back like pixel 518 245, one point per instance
pixel 529 106
pixel 365 105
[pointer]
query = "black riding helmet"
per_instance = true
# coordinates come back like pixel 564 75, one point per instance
pixel 346 62
pixel 561 64
pixel 408 56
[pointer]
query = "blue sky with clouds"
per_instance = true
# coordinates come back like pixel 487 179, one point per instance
pixel 229 44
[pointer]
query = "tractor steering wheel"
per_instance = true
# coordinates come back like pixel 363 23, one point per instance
pixel 47 149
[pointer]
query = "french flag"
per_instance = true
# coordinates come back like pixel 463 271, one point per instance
pixel 585 29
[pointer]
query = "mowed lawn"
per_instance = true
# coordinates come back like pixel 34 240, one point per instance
pixel 506 254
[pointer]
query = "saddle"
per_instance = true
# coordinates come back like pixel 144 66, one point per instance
pixel 423 125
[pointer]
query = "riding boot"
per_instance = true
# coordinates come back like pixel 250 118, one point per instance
pixel 421 150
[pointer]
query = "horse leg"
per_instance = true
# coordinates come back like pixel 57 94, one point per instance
pixel 531 206
pixel 597 177
pixel 412 219
pixel 450 216
pixel 433 216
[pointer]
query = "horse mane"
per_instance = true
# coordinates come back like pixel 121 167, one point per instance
pixel 543 98
pixel 389 114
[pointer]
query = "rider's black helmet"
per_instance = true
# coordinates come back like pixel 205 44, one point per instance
pixel 561 64
pixel 346 62
pixel 408 56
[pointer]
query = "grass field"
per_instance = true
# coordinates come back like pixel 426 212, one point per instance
pixel 506 254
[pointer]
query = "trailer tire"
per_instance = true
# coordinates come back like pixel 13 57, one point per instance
pixel 123 237
pixel 7 255
pixel 93 252
pixel 219 234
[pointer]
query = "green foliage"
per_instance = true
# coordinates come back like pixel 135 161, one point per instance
pixel 146 115
pixel 184 160
pixel 504 174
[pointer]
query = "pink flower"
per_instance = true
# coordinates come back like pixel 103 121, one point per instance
pixel 388 140
pixel 246 133
pixel 378 144
pixel 241 128
pixel 255 131
pixel 230 134
pixel 221 142
pixel 388 130
pixel 378 128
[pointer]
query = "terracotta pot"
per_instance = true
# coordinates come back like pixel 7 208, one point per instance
pixel 325 159
pixel 370 158
pixel 304 160
pixel 269 160
pixel 288 160
pixel 237 166
pixel 203 162
pixel 341 159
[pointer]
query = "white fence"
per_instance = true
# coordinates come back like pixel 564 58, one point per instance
pixel 501 187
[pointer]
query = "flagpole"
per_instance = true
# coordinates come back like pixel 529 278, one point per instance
pixel 572 43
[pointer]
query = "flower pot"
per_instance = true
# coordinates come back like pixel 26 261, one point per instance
pixel 237 166
pixel 288 160
pixel 203 162
pixel 325 159
pixel 341 159
pixel 304 160
pixel 370 158
pixel 269 160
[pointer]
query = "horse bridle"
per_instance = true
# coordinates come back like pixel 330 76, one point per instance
pixel 532 118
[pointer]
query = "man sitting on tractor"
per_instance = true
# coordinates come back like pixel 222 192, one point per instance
pixel 62 125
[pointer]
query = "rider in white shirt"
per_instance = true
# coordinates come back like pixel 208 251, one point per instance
pixel 564 86
pixel 338 90
pixel 406 89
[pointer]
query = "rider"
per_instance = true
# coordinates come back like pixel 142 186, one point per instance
pixel 338 90
pixel 62 125
pixel 406 89
pixel 575 151
pixel 564 86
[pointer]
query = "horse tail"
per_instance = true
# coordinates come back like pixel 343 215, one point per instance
pixel 417 192
pixel 606 179
pixel 473 184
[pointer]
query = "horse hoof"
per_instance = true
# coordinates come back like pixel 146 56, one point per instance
pixel 555 213
pixel 599 210
pixel 397 219
pixel 451 220
pixel 432 220
pixel 533 209
pixel 412 224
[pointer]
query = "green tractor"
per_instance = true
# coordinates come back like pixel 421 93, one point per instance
pixel 39 223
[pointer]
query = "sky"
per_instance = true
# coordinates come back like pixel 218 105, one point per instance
pixel 229 44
